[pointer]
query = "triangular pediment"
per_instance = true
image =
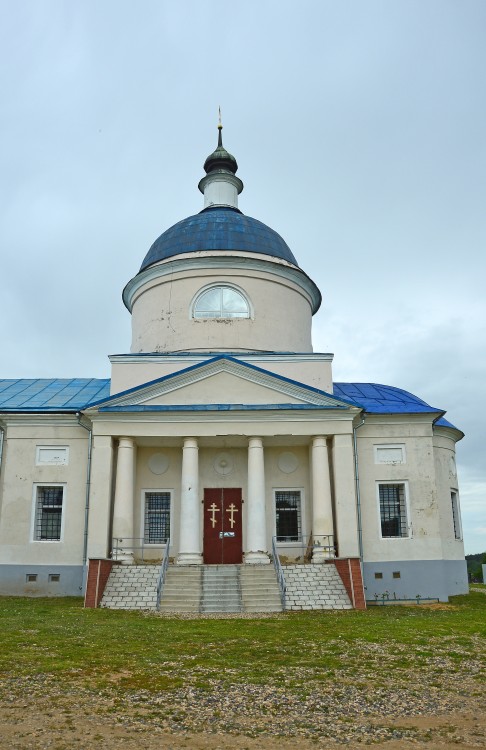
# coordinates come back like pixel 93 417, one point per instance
pixel 224 382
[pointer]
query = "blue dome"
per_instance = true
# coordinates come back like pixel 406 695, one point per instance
pixel 218 229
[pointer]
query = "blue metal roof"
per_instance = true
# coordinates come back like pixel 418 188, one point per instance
pixel 71 395
pixel 383 399
pixel 386 399
pixel 218 229
pixel 41 395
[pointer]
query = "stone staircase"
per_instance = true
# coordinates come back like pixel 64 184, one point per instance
pixel 259 589
pixel 131 587
pixel 315 587
pixel 182 589
pixel 225 588
pixel 221 591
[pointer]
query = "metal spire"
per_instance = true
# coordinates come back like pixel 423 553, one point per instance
pixel 220 128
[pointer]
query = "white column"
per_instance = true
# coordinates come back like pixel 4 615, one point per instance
pixel 346 520
pixel 100 496
pixel 123 509
pixel 190 528
pixel 256 533
pixel 322 521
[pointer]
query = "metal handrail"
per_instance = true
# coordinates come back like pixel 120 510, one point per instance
pixel 162 574
pixel 280 575
pixel 121 545
pixel 308 545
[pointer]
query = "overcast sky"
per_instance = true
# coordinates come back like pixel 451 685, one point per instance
pixel 360 133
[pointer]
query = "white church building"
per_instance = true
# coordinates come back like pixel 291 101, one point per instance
pixel 221 438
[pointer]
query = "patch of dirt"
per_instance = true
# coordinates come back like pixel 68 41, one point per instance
pixel 41 714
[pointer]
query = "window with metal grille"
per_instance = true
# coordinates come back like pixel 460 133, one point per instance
pixel 48 514
pixel 221 302
pixel 455 515
pixel 393 510
pixel 157 517
pixel 288 515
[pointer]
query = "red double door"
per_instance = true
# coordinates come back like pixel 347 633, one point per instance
pixel 222 526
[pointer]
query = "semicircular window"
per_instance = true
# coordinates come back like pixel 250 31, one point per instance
pixel 221 302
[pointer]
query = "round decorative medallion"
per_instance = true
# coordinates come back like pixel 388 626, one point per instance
pixel 223 464
pixel 158 463
pixel 287 462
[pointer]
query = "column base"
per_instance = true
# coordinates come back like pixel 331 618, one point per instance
pixel 320 555
pixel 125 558
pixel 189 558
pixel 257 558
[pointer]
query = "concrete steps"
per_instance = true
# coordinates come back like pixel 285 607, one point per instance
pixel 221 589
pixel 315 587
pixel 259 589
pixel 182 589
pixel 225 588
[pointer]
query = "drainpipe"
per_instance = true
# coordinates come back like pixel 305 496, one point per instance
pixel 2 433
pixel 358 495
pixel 88 487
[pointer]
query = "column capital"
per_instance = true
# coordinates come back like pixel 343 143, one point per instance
pixel 255 442
pixel 126 442
pixel 319 440
pixel 190 442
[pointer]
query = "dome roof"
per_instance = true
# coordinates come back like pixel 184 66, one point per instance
pixel 225 229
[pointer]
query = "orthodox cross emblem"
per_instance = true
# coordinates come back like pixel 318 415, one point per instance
pixel 213 509
pixel 232 509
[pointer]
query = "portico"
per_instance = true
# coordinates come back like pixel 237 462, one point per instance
pixel 288 484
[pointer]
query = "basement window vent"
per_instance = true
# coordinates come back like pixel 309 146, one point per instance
pixel 31 577
pixel 54 577
pixel 378 575
pixel 396 574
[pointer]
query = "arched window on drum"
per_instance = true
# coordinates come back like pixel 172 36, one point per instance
pixel 221 302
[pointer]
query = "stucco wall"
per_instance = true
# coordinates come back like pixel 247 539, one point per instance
pixel 446 482
pixel 19 476
pixel 128 372
pixel 428 514
pixel 162 314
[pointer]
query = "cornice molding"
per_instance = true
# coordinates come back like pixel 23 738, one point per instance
pixel 287 273
pixel 194 357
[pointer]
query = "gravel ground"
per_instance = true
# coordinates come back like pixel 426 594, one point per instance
pixel 42 713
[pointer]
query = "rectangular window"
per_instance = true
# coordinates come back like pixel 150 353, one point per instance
pixel 456 519
pixel 389 454
pixel 288 515
pixel 52 455
pixel 393 510
pixel 157 517
pixel 48 513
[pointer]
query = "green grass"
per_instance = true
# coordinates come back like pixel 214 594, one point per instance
pixel 96 648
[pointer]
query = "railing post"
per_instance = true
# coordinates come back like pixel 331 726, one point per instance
pixel 163 573
pixel 280 575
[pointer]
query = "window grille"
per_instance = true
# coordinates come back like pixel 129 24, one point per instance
pixel 157 517
pixel 288 515
pixel 48 515
pixel 221 302
pixel 393 511
pixel 455 516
